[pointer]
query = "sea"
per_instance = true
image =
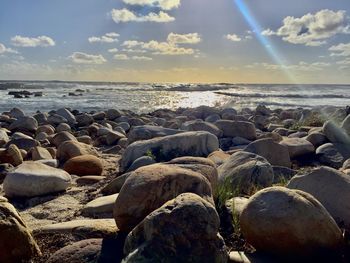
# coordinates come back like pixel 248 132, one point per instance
pixel 147 97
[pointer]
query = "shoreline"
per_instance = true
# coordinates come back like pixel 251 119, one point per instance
pixel 86 166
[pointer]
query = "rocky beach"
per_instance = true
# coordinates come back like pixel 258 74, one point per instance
pixel 205 184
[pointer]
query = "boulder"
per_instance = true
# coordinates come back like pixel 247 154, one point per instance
pixel 200 165
pixel 5 168
pixel 113 137
pixel 199 144
pixel 140 162
pixel 328 154
pixel 331 188
pixel 40 153
pixel 67 115
pixel 34 179
pixel 24 124
pixel 232 129
pixel 84 165
pixel 147 132
pixel 316 138
pixel 335 133
pixel 4 138
pixel 101 205
pixel 61 137
pixel 149 187
pixel 288 222
pixel 115 185
pixel 85 251
pixel 16 113
pixel 243 172
pixel 200 125
pixel 24 143
pixel 84 119
pixel 55 119
pixel 184 229
pixel 274 153
pixel 298 147
pixel 63 127
pixel 113 114
pixel 218 157
pixel 86 228
pixel 70 149
pixel 11 155
pixel 16 241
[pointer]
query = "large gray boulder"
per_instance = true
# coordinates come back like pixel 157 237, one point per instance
pixel 199 144
pixel 34 179
pixel 328 154
pixel 149 187
pixel 244 172
pixel 288 222
pixel 298 147
pixel 200 125
pixel 335 133
pixel 24 124
pixel 274 153
pixel 67 115
pixel 331 188
pixel 184 229
pixel 147 132
pixel 232 129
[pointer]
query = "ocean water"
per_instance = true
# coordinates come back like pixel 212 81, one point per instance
pixel 143 97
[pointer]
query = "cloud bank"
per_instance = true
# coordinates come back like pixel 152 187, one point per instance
pixel 124 15
pixel 312 29
pixel 83 58
pixel 41 41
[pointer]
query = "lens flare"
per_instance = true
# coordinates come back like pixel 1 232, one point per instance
pixel 266 43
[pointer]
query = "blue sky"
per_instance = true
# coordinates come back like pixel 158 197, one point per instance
pixel 176 40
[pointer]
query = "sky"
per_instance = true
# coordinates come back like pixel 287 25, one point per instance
pixel 200 41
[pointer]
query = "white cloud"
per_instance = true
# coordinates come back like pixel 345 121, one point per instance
pixel 121 57
pixel 171 47
pixel 342 50
pixel 113 50
pixel 126 57
pixel 83 58
pixel 107 38
pixel 125 15
pixel 192 38
pixel 233 37
pixel 144 58
pixel 4 49
pixel 163 4
pixel 41 41
pixel 312 29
